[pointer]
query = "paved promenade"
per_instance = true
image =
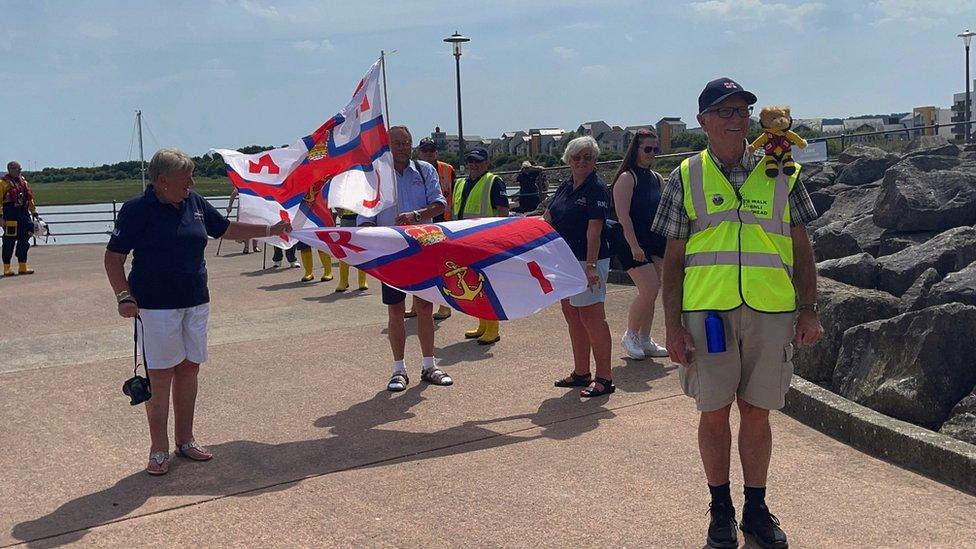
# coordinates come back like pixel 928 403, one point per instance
pixel 311 450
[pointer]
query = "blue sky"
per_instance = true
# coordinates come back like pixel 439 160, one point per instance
pixel 230 73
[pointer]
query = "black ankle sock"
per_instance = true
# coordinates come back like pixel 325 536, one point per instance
pixel 721 494
pixel 755 497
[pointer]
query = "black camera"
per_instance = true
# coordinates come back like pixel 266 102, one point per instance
pixel 137 389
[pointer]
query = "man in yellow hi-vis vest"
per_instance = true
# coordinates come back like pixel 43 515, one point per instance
pixel 740 290
pixel 481 194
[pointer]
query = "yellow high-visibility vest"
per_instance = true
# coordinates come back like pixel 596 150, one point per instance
pixel 479 197
pixel 740 249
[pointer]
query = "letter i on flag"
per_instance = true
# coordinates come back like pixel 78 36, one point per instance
pixel 345 163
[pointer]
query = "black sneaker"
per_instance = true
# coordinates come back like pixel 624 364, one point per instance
pixel 721 529
pixel 764 527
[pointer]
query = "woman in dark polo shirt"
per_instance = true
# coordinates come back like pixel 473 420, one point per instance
pixel 166 229
pixel 578 211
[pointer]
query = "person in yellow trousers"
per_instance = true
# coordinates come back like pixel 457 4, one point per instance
pixel 347 218
pixel 476 196
pixel 305 256
pixel 427 151
pixel 16 218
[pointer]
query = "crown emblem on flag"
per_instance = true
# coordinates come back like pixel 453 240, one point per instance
pixel 425 235
pixel 319 151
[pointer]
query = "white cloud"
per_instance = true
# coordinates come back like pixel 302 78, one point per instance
pixel 97 31
pixel 256 8
pixel 563 52
pixel 922 14
pixel 753 13
pixel 312 45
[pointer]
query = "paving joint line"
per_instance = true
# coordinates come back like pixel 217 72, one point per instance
pixel 342 470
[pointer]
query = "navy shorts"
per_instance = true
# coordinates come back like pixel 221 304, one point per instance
pixel 392 296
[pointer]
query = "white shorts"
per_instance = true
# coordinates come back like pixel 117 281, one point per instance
pixel 596 293
pixel 173 335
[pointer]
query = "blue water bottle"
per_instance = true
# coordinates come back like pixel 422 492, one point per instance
pixel 714 333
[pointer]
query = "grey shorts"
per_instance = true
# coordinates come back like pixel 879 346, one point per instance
pixel 757 364
pixel 596 293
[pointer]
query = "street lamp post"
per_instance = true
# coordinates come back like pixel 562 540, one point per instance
pixel 456 40
pixel 967 37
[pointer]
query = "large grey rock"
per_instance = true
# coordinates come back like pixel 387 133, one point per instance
pixel 846 237
pixel 931 144
pixel 841 307
pixel 962 420
pixel 850 204
pixel 859 150
pixel 821 201
pixel 894 241
pixel 914 297
pixel 914 367
pixel 859 270
pixel 927 193
pixel 957 287
pixel 947 252
pixel 823 175
pixel 866 169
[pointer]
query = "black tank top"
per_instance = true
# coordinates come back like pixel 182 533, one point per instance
pixel 643 207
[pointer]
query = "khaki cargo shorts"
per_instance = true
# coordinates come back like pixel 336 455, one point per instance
pixel 757 364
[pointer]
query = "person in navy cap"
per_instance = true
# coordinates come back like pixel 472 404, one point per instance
pixel 738 255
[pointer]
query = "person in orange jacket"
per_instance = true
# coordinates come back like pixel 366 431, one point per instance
pixel 17 218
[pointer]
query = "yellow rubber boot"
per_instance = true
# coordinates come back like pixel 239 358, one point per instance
pixel 306 258
pixel 343 277
pixel 25 270
pixel 7 271
pixel 442 312
pixel 326 260
pixel 477 332
pixel 491 333
pixel 362 281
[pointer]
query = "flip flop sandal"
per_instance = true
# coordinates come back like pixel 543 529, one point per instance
pixel 436 376
pixel 158 463
pixel 192 450
pixel 575 380
pixel 398 383
pixel 590 392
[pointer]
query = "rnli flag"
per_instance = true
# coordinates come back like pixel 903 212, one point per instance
pixel 491 268
pixel 345 163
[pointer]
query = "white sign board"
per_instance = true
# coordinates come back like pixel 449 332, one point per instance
pixel 815 152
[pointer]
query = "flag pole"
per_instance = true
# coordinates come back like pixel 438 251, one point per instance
pixel 386 107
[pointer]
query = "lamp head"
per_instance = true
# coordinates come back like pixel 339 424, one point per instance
pixel 967 36
pixel 456 40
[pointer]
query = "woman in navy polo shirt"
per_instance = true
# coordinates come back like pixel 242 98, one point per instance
pixel 578 211
pixel 166 229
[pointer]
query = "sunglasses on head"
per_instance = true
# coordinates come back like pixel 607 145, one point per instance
pixel 727 112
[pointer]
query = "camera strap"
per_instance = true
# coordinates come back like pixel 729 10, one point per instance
pixel 135 346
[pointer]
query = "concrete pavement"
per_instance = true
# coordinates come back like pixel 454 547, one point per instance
pixel 311 450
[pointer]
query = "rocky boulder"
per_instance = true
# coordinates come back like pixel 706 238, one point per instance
pixel 844 238
pixel 927 193
pixel 931 144
pixel 957 287
pixel 859 150
pixel 948 252
pixel 866 169
pixel 820 175
pixel 914 297
pixel 894 241
pixel 850 204
pixel 913 367
pixel 962 420
pixel 859 270
pixel 841 307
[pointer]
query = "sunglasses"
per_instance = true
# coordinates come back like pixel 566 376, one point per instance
pixel 651 149
pixel 727 112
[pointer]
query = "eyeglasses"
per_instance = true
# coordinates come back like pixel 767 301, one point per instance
pixel 727 112
pixel 582 158
pixel 651 149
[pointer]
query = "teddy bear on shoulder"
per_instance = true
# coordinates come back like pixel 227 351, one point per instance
pixel 777 140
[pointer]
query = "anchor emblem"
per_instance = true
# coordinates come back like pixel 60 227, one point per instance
pixel 467 292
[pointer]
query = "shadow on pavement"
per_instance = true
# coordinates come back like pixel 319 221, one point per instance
pixel 244 468
pixel 634 375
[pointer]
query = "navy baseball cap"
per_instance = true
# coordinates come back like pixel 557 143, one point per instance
pixel 477 153
pixel 719 90
pixel 427 144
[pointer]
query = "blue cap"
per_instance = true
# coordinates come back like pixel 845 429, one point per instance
pixel 477 153
pixel 719 90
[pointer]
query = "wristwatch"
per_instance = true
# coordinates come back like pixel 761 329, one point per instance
pixel 416 216
pixel 124 297
pixel 591 264
pixel 808 306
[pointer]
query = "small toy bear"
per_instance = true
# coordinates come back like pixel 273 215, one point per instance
pixel 776 140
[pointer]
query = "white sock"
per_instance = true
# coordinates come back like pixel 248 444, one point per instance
pixel 399 367
pixel 428 362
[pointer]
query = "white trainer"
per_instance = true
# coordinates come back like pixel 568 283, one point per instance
pixel 295 264
pixel 276 265
pixel 632 346
pixel 651 348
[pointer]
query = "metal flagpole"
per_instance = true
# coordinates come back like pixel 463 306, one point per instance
pixel 386 107
pixel 142 158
